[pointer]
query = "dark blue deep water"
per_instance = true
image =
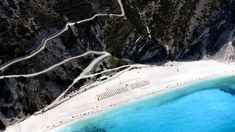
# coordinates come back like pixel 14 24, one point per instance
pixel 195 107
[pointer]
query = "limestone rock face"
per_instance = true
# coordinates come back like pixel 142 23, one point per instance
pixel 152 31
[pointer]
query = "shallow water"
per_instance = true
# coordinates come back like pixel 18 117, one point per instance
pixel 205 109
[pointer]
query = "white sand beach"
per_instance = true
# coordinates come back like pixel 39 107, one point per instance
pixel 132 84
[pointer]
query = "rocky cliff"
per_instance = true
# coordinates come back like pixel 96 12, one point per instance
pixel 152 31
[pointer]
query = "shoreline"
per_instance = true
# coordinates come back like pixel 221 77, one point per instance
pixel 164 81
pixel 156 93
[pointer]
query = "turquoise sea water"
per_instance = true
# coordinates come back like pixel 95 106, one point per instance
pixel 195 107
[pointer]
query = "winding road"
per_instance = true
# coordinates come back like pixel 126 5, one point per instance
pixel 54 66
pixel 82 75
pixel 44 41
pixel 43 44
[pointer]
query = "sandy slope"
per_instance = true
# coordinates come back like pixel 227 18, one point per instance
pixel 85 104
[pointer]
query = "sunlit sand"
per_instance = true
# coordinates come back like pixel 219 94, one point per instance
pixel 130 85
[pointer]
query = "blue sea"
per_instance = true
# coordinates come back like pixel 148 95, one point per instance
pixel 196 107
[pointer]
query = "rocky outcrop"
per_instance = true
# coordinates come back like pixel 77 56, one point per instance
pixel 177 24
pixel 217 38
pixel 23 24
pixel 152 31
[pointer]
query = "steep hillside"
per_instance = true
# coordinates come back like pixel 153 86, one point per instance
pixel 152 31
